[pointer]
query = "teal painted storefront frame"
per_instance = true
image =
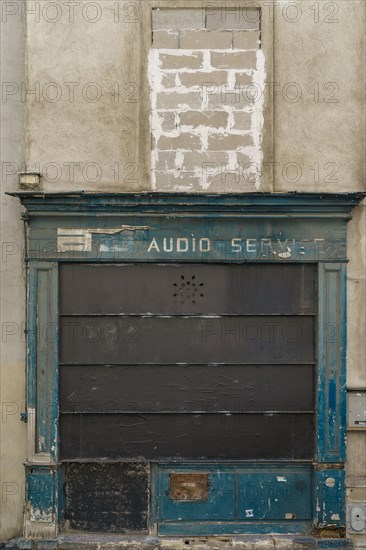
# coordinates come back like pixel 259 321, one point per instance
pixel 283 228
pixel 237 525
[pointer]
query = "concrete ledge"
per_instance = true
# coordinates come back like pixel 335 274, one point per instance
pixel 88 541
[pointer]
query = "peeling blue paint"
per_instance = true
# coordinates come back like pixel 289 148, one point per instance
pixel 332 363
pixel 238 228
pixel 330 496
pixel 242 499
pixel 40 493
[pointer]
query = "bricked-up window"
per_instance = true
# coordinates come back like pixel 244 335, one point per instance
pixel 207 75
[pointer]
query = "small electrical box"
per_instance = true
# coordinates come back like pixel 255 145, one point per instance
pixel 356 518
pixel 357 410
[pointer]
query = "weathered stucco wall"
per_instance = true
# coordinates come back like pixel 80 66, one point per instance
pixel 94 134
pixel 13 435
pixel 320 124
pixel 87 127
pixel 88 118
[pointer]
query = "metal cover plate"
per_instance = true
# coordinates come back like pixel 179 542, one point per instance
pixel 357 410
pixel 188 486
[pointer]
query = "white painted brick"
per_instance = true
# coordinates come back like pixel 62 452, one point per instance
pixel 167 121
pixel 165 160
pixel 174 100
pixel 195 40
pixel 179 60
pixel 199 78
pixel 228 142
pixel 202 140
pixel 168 80
pixel 246 40
pixel 242 121
pixel 243 79
pixel 234 60
pixel 204 162
pixel 191 161
pixel 185 141
pixel 165 39
pixel 236 99
pixel 212 119
pixel 168 181
pixel 243 160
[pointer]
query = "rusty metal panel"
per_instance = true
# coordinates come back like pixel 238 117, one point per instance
pixel 200 340
pixel 188 486
pixel 107 497
pixel 193 436
pixel 186 388
pixel 88 289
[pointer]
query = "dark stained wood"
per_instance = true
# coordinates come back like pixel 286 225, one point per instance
pixel 188 486
pixel 107 497
pixel 164 362
pixel 182 388
pixel 210 436
pixel 182 289
pixel 250 340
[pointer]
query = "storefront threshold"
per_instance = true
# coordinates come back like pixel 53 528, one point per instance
pixel 88 541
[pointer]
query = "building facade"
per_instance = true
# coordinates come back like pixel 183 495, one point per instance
pixel 183 239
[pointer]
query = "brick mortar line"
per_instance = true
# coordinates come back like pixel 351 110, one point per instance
pixel 203 133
